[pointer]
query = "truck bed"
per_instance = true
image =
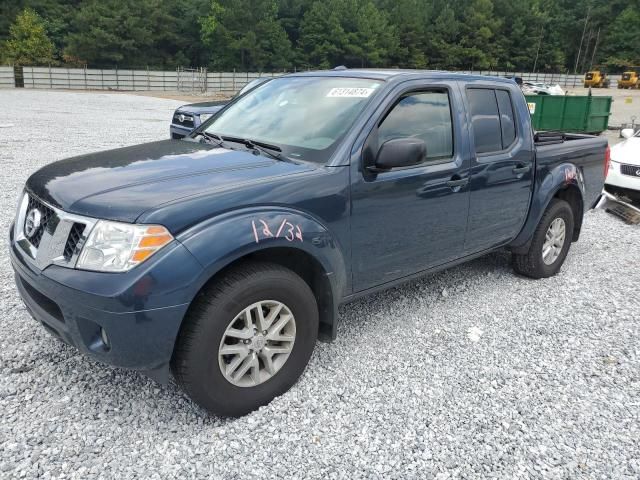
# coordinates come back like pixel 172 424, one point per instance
pixel 555 148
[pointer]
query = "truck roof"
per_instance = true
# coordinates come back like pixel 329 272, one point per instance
pixel 385 74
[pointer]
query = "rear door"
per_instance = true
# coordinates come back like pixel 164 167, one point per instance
pixel 501 171
pixel 409 219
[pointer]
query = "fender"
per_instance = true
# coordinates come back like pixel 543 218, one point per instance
pixel 226 238
pixel 561 177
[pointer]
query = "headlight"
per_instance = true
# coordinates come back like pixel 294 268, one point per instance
pixel 205 116
pixel 118 247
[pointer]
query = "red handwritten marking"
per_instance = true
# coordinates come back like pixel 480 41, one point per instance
pixel 292 232
pixel 255 232
pixel 265 230
pixel 281 226
pixel 569 174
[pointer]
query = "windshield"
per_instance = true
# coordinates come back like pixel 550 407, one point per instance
pixel 305 116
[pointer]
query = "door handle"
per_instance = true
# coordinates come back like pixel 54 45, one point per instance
pixel 461 182
pixel 520 169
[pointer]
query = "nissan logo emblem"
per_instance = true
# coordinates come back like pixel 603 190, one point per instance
pixel 32 222
pixel 638 172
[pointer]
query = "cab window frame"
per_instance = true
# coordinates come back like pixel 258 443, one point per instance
pixel 373 134
pixel 512 145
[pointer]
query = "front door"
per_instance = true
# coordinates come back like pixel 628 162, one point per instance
pixel 501 170
pixel 408 219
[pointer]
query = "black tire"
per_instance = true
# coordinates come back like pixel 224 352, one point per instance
pixel 531 263
pixel 195 359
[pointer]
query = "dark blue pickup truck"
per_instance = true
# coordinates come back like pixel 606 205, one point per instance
pixel 223 257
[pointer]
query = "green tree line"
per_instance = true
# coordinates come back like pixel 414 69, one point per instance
pixel 262 35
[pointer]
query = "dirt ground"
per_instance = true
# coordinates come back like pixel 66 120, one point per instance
pixel 182 96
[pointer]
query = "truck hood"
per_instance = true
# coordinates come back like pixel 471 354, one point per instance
pixel 123 183
pixel 627 151
pixel 204 107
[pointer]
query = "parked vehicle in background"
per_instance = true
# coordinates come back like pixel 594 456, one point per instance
pixel 189 117
pixel 623 178
pixel 539 88
pixel 596 79
pixel 224 256
pixel 630 79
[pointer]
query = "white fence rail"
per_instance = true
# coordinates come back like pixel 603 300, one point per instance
pixel 6 77
pixel 137 80
pixel 194 80
pixel 563 79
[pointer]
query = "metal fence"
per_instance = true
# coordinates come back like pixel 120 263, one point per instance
pixel 184 80
pixel 7 79
pixel 194 80
pixel 562 79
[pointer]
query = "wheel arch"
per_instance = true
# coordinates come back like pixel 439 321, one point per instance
pixel 564 182
pixel 258 235
pixel 306 266
pixel 573 196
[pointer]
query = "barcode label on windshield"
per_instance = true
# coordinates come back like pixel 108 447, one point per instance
pixel 350 92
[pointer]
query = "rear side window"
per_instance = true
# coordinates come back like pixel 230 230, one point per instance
pixel 494 126
pixel 423 115
pixel 507 121
pixel 485 120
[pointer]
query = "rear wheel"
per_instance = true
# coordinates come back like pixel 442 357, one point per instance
pixel 247 339
pixel 550 244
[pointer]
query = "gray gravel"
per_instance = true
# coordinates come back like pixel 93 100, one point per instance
pixel 470 373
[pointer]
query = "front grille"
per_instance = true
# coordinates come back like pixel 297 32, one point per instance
pixel 631 170
pixel 46 214
pixel 184 119
pixel 75 235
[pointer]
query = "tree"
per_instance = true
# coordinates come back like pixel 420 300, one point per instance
pixel 622 42
pixel 111 32
pixel 411 20
pixel 245 34
pixel 28 42
pixel 351 32
pixel 322 36
pixel 479 26
pixel 371 39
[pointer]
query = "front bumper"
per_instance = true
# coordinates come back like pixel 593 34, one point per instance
pixel 177 132
pixel 616 178
pixel 128 320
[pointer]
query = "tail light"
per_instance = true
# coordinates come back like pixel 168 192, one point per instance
pixel 607 161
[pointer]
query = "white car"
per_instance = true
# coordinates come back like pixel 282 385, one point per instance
pixel 624 169
pixel 539 88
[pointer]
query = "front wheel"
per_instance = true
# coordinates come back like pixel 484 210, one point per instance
pixel 550 244
pixel 246 339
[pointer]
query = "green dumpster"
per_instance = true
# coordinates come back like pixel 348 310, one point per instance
pixel 578 114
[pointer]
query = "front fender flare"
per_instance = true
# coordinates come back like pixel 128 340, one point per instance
pixel 226 238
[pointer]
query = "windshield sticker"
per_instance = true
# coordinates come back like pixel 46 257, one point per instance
pixel 286 230
pixel 350 92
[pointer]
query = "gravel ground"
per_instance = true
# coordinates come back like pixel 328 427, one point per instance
pixel 470 373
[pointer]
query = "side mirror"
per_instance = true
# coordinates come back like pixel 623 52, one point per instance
pixel 626 133
pixel 400 152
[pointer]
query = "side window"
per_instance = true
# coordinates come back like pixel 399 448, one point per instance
pixel 506 118
pixel 485 120
pixel 424 115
